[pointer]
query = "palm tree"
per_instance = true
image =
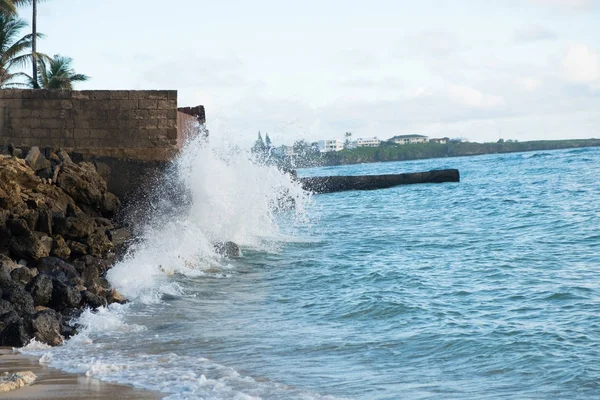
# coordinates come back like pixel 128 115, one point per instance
pixel 57 73
pixel 14 50
pixel 9 6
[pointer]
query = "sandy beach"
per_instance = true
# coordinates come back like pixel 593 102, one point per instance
pixel 55 384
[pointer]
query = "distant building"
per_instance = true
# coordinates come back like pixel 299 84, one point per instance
pixel 409 139
pixel 439 141
pixel 325 146
pixel 368 142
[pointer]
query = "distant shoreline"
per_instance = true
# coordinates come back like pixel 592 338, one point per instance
pixel 410 152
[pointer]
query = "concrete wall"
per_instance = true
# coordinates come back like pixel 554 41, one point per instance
pixel 139 125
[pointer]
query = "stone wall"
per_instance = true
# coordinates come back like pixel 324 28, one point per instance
pixel 139 125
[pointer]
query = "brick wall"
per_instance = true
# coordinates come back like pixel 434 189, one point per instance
pixel 138 125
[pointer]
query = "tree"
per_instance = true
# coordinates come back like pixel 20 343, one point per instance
pixel 14 50
pixel 57 73
pixel 267 141
pixel 348 136
pixel 34 54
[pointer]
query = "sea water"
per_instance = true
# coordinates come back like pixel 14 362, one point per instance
pixel 484 289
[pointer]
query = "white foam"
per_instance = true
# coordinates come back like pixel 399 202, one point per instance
pixel 231 198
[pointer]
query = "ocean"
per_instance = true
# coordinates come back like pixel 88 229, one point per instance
pixel 484 289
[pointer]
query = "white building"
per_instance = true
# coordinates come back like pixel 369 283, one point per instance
pixel 409 139
pixel 325 146
pixel 368 142
pixel 439 141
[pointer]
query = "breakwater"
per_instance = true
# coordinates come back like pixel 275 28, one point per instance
pixel 331 184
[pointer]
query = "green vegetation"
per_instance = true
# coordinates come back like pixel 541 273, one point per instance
pixel 17 52
pixel 57 73
pixel 309 156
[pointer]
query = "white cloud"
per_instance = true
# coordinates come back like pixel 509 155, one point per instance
pixel 533 33
pixel 530 84
pixel 581 64
pixel 430 43
pixel 575 5
pixel 474 98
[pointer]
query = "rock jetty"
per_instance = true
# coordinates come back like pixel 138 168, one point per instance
pixel 58 238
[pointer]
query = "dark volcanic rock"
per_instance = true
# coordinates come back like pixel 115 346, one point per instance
pixel 21 300
pixel 47 326
pixel 5 307
pixel 22 275
pixel 93 300
pixel 41 290
pixel 15 335
pixel 64 296
pixel 28 247
pixel 78 249
pixel 18 227
pixel 74 227
pixel 55 266
pixel 228 249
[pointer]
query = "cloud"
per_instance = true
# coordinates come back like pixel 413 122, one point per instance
pixel 573 5
pixel 581 65
pixel 430 43
pixel 474 98
pixel 533 33
pixel 387 83
pixel 530 84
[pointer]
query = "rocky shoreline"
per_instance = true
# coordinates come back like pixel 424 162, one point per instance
pixel 58 238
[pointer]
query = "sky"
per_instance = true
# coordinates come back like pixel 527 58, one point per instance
pixel 315 69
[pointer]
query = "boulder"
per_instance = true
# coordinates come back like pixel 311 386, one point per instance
pixel 8 262
pixel 228 249
pixel 44 223
pixel 5 307
pixel 73 227
pixel 36 160
pixel 64 296
pixel 98 244
pixel 28 247
pixel 6 281
pixel 82 183
pixel 110 205
pixel 56 267
pixel 46 327
pixel 115 297
pixel 18 227
pixel 15 335
pixel 21 300
pixel 93 300
pixel 60 248
pixel 40 288
pixel 22 275
pixel 78 249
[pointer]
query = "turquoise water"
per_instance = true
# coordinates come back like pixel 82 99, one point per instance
pixel 488 288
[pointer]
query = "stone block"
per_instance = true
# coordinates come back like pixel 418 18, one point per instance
pixel 147 123
pixel 99 134
pixel 144 104
pixel 66 105
pixel 99 94
pixel 172 114
pixel 139 114
pixel 40 133
pixel 119 94
pixel 167 123
pixel 139 94
pixel 128 104
pixel 167 104
pixel 158 114
pixel 158 94
pixel 51 123
pixel 79 95
pixel 81 133
pixel 172 95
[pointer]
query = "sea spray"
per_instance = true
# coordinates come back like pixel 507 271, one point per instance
pixel 224 196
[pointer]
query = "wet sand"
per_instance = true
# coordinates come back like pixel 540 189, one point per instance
pixel 55 384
